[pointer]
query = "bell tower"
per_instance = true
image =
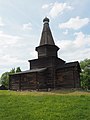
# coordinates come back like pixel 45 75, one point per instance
pixel 47 47
pixel 47 50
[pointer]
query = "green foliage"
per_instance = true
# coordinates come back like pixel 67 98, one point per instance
pixel 40 106
pixel 85 74
pixel 84 63
pixel 5 79
pixel 12 70
pixel 5 76
pixel 18 69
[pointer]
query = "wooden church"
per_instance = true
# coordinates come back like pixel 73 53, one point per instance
pixel 48 71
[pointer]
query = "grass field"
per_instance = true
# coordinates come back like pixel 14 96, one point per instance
pixel 58 105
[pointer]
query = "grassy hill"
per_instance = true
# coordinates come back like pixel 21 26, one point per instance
pixel 58 105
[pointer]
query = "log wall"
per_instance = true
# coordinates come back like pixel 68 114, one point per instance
pixel 67 78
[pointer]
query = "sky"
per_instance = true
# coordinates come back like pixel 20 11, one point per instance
pixel 21 23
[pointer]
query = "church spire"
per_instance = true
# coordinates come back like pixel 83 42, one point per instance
pixel 46 36
pixel 47 47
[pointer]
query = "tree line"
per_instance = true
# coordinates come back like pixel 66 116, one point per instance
pixel 84 75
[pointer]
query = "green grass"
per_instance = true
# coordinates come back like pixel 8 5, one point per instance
pixel 61 105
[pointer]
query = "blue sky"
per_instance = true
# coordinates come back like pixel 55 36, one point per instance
pixel 21 25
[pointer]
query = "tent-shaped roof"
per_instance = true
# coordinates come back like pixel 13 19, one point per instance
pixel 46 36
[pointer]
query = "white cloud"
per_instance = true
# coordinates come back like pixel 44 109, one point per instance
pixel 77 49
pixel 7 46
pixel 45 6
pixel 81 39
pixel 8 59
pixel 8 62
pixel 16 50
pixel 56 8
pixel 75 23
pixel 27 26
pixel 6 39
pixel 1 22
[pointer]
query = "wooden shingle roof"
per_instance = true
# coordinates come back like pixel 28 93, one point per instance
pixel 30 71
pixel 70 64
pixel 46 36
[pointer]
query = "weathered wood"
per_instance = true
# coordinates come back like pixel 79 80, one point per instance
pixel 48 71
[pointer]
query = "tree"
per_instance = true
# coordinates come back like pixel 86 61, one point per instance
pixel 85 74
pixel 18 69
pixel 12 70
pixel 84 63
pixel 5 79
pixel 5 76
